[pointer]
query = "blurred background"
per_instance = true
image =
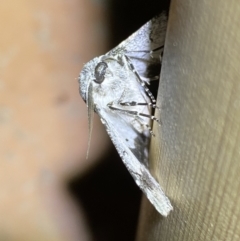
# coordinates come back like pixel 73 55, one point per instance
pixel 48 190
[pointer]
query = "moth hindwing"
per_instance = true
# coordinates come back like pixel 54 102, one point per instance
pixel 115 86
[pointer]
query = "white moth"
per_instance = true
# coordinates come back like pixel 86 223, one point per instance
pixel 114 85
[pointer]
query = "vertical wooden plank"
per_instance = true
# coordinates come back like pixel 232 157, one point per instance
pixel 196 155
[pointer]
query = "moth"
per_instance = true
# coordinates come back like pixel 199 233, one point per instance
pixel 115 86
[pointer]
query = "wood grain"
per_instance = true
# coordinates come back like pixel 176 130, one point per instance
pixel 196 155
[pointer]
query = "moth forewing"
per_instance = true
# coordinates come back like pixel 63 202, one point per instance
pixel 128 151
pixel 115 86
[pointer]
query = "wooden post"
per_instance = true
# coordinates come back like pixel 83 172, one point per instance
pixel 196 154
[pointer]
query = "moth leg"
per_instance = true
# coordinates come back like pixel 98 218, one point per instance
pixel 157 49
pixel 121 62
pixel 135 113
pixel 148 80
pixel 142 83
pixel 150 130
pixel 141 121
pixel 149 51
pixel 133 103
pixel 105 57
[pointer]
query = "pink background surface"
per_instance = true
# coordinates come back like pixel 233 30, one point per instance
pixel 43 124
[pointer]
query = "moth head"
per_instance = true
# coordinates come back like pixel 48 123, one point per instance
pixel 92 73
pixel 107 76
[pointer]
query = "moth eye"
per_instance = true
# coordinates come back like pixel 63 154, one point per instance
pixel 100 71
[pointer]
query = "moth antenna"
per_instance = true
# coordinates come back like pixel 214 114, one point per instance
pixel 90 107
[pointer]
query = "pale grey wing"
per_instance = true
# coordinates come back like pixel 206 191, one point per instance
pixel 131 149
pixel 134 141
pixel 150 36
pixel 138 46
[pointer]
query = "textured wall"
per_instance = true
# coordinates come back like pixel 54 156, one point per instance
pixel 196 157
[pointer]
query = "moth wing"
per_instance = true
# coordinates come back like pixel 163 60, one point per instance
pixel 130 147
pixel 141 46
pixel 148 37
